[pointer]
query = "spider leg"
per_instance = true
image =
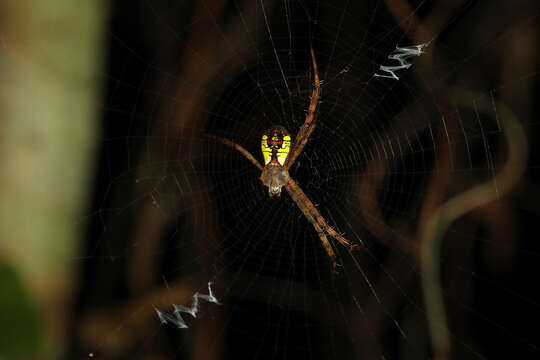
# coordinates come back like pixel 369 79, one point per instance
pixel 333 233
pixel 316 219
pixel 311 119
pixel 327 246
pixel 243 151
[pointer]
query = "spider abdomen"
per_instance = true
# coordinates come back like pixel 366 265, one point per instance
pixel 275 145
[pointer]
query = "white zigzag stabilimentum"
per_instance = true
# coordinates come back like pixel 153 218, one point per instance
pixel 176 319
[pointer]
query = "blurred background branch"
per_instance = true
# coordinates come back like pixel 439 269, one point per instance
pixel 50 71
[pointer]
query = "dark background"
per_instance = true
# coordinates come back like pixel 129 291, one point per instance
pixel 171 209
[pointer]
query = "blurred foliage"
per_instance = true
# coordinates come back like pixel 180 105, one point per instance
pixel 21 325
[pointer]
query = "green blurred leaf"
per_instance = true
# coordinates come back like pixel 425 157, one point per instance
pixel 21 329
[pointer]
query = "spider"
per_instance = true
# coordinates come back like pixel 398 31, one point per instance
pixel 278 159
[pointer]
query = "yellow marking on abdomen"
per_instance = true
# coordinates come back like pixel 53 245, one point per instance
pixel 280 152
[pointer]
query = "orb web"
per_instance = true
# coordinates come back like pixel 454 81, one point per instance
pixel 419 157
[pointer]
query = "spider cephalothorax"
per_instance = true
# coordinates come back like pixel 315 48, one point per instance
pixel 279 155
pixel 275 146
